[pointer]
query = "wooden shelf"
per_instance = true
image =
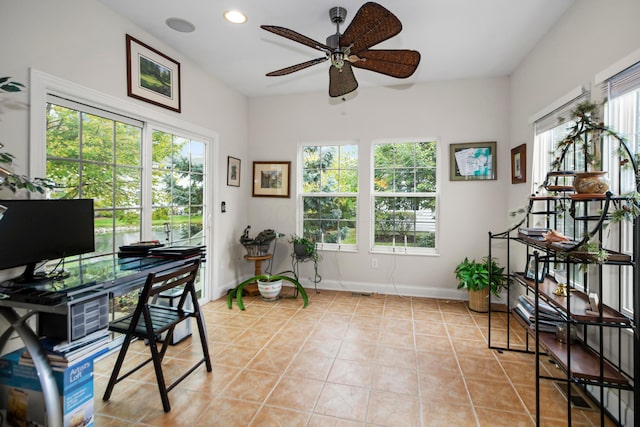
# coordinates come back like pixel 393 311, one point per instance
pixel 585 363
pixel 565 247
pixel 563 188
pixel 547 197
pixel 579 303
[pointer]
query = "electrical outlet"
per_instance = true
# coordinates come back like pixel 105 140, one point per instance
pixel 374 262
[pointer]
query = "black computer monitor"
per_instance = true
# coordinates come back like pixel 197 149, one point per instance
pixel 34 231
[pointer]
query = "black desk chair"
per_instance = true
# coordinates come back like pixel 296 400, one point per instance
pixel 149 321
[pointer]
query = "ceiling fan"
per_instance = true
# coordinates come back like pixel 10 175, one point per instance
pixel 371 25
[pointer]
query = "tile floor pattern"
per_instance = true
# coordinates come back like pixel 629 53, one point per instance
pixel 345 360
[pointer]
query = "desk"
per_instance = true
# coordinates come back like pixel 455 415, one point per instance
pixel 109 276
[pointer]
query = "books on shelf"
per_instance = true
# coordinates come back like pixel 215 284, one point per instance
pixel 61 355
pixel 533 231
pixel 548 317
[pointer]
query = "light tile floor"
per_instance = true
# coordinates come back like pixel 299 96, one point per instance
pixel 343 361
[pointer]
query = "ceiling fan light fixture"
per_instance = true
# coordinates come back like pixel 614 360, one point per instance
pixel 337 60
pixel 235 16
pixel 180 25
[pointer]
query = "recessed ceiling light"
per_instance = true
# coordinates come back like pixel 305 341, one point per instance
pixel 235 16
pixel 180 25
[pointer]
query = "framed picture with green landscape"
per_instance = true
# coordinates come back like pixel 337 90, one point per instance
pixel 152 76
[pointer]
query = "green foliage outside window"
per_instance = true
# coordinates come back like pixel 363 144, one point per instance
pixel 405 194
pixel 330 184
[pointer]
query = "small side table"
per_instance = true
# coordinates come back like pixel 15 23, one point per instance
pixel 253 288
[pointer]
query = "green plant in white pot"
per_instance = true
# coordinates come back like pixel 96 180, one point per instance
pixel 474 276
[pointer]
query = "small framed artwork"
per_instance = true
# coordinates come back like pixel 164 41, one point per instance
pixel 519 164
pixel 473 161
pixel 152 76
pixel 530 271
pixel 233 171
pixel 271 179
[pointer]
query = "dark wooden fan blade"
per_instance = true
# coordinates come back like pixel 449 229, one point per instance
pixel 400 63
pixel 296 37
pixel 371 25
pixel 296 67
pixel 341 81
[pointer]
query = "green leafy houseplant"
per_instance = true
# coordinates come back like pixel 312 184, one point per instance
pixel 303 247
pixel 474 276
pixel 9 179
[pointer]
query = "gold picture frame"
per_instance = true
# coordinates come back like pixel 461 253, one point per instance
pixel 152 76
pixel 271 179
pixel 473 161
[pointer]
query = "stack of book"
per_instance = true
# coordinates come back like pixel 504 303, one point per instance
pixel 138 249
pixel 178 252
pixel 534 232
pixel 62 355
pixel 548 317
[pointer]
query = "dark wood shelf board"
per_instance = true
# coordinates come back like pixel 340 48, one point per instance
pixel 579 303
pixel 563 188
pixel 585 364
pixel 582 256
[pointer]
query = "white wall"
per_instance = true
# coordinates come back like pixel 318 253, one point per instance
pixel 452 112
pixel 591 36
pixel 84 42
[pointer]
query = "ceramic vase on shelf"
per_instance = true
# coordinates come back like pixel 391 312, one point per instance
pixel 590 182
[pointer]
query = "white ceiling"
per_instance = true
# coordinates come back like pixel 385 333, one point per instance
pixel 457 39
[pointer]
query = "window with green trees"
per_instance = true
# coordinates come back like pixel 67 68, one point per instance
pixel 405 197
pixel 177 196
pixel 98 154
pixel 330 194
pixel 97 157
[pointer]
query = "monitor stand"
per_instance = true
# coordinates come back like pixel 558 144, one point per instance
pixel 29 278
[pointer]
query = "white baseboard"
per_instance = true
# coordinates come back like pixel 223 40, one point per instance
pixel 389 289
pixel 365 287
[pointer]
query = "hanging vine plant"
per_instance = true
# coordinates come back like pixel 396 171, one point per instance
pixel 585 135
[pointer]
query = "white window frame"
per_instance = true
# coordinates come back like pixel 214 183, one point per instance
pixel 321 245
pixel 400 248
pixel 43 84
pixel 618 80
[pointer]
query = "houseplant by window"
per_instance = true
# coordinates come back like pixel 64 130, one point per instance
pixel 8 179
pixel 585 136
pixel 474 276
pixel 304 248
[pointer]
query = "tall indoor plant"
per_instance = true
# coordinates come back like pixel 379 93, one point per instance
pixel 480 278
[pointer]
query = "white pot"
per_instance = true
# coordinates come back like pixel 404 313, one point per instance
pixel 270 290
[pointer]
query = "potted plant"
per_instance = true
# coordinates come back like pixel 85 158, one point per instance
pixel 270 287
pixel 304 248
pixel 585 136
pixel 480 278
pixel 8 179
